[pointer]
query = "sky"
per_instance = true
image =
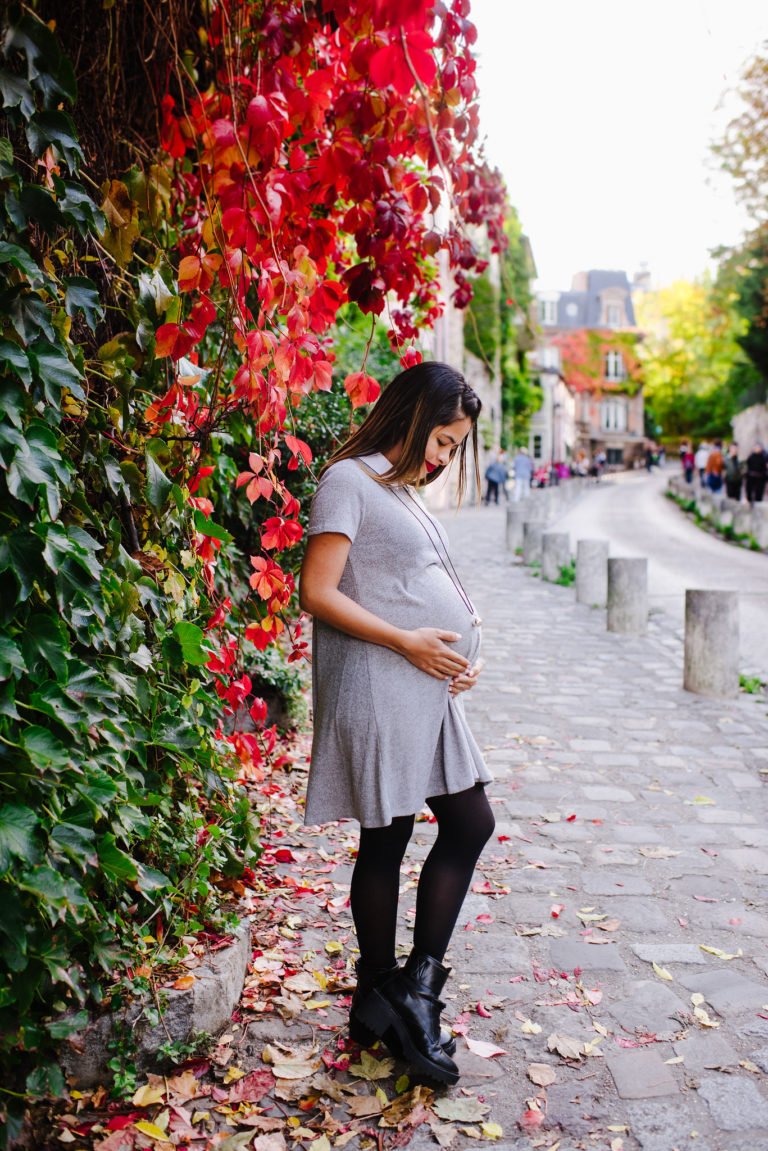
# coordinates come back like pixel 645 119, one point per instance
pixel 600 116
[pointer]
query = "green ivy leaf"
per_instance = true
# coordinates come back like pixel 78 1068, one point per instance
pixel 58 896
pixel 21 554
pixel 51 700
pixel 207 527
pixel 33 203
pixel 44 748
pixel 28 314
pixel 82 296
pixel 54 369
pixel 21 259
pixel 77 207
pixel 48 69
pixel 11 659
pixel 16 93
pixel 190 639
pixel 45 638
pixel 16 361
pixel 67 1025
pixel 69 543
pixel 114 861
pixel 17 834
pixel 158 485
pixel 55 130
pixel 38 464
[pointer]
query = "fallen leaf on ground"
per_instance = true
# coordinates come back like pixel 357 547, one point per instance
pixel 662 972
pixel 252 1087
pixel 371 1068
pixel 541 1074
pixel 658 852
pixel 721 954
pixel 492 1130
pixel 485 1050
pixel 565 1045
pixel 151 1130
pixel 531 1119
pixel 461 1110
pixel 149 1094
pixel 530 1028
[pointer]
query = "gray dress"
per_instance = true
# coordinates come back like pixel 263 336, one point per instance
pixel 386 735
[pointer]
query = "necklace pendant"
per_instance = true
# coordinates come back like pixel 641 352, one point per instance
pixel 476 621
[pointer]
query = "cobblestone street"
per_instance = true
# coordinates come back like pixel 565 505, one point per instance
pixel 623 797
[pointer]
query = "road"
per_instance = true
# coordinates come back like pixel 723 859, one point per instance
pixel 631 511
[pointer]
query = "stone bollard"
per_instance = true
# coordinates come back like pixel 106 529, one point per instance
pixel 742 520
pixel 759 524
pixel 712 643
pixel 628 596
pixel 517 514
pixel 592 572
pixel 555 554
pixel 532 535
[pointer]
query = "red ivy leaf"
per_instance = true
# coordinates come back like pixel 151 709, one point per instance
pixel 361 389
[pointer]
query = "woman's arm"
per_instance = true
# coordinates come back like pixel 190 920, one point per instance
pixel 425 647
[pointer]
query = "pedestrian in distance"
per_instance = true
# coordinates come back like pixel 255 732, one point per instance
pixel 650 458
pixel 757 469
pixel 687 460
pixel 734 473
pixel 395 644
pixel 715 468
pixel 522 467
pixel 700 460
pixel 495 476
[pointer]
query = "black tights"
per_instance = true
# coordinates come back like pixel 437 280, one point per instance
pixel 465 823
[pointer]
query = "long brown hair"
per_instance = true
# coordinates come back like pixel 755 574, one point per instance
pixel 420 399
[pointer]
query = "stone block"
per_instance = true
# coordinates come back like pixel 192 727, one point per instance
pixel 663 1124
pixel 726 990
pixel 735 1104
pixel 651 1007
pixel 568 954
pixel 664 953
pixel 641 1074
pixel 206 1007
pixel 705 1050
pixel 748 859
pixel 609 794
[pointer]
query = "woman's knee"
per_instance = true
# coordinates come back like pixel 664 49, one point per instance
pixel 467 818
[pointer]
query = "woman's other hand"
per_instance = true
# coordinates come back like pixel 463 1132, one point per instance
pixel 466 680
pixel 427 649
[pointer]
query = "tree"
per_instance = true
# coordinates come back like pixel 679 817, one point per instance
pixel 688 357
pixel 743 151
pixel 742 289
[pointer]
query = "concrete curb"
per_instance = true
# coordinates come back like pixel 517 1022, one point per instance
pixel 207 1006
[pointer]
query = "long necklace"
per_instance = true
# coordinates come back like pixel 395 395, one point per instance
pixel 426 524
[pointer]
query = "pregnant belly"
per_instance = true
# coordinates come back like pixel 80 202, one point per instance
pixel 435 602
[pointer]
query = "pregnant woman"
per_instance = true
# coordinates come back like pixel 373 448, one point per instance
pixel 396 640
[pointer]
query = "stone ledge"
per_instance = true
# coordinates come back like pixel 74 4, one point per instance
pixel 207 1006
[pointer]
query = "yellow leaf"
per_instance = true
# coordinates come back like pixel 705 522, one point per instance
pixel 721 954
pixel 402 1084
pixel 530 1028
pixel 200 1116
pixel 183 983
pixel 677 1059
pixel 662 972
pixel 315 1004
pixel 492 1130
pixel 233 1074
pixel 333 947
pixel 150 1129
pixel 146 1095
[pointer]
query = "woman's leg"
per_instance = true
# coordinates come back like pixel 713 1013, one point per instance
pixel 465 823
pixel 375 888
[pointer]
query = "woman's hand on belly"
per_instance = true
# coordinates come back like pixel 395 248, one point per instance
pixel 427 649
pixel 467 679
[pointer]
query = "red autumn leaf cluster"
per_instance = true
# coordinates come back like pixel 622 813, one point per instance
pixel 309 172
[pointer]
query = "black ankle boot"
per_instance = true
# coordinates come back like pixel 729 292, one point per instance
pixel 362 1035
pixel 407 1004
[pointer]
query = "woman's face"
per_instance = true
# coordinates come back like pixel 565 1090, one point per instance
pixel 443 442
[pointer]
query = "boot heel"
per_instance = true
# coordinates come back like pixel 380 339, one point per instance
pixel 376 1014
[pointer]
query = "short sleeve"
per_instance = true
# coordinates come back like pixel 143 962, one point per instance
pixel 339 502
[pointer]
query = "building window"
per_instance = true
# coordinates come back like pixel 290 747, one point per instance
pixel 537 447
pixel 614 456
pixel 549 357
pixel 615 369
pixel 613 315
pixel 548 311
pixel 613 415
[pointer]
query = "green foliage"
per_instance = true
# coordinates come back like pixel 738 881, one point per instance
pixel 482 321
pixel 520 389
pixel 751 684
pixel 743 283
pixel 689 356
pixel 117 804
pixel 567 576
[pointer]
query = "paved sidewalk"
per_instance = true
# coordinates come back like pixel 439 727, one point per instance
pixel 631 836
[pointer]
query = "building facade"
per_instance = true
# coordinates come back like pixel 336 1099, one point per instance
pixel 587 364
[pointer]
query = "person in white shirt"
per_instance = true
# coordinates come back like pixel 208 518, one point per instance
pixel 522 466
